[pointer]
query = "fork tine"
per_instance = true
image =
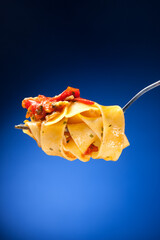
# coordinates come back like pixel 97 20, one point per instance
pixel 22 126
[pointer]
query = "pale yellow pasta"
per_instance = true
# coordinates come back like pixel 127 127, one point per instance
pixel 79 127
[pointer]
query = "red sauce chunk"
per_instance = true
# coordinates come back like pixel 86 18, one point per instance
pixel 39 107
pixel 91 148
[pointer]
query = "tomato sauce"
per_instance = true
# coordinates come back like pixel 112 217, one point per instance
pixel 39 107
pixel 91 148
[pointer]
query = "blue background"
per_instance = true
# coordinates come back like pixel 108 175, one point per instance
pixel 110 50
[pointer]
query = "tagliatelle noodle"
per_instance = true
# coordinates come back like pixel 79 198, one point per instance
pixel 79 127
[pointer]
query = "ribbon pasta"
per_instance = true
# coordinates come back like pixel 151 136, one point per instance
pixel 81 131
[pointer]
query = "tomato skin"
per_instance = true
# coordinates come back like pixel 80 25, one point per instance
pixel 40 106
pixel 68 92
pixel 83 100
pixel 27 102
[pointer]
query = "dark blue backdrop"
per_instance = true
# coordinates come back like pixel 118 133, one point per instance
pixel 110 50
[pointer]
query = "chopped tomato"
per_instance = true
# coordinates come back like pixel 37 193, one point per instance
pixel 91 148
pixel 40 106
pixel 68 92
pixel 83 100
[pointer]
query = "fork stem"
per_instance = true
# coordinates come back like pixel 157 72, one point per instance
pixel 139 94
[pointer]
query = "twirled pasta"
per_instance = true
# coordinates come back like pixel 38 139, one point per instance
pixel 81 131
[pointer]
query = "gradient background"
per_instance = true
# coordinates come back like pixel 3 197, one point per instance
pixel 110 50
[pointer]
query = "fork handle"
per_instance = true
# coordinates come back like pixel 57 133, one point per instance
pixel 139 94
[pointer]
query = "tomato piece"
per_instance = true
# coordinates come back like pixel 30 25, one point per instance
pixel 27 102
pixel 91 148
pixel 40 106
pixel 68 92
pixel 83 100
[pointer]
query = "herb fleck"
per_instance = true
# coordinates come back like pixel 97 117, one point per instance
pixel 91 135
pixel 39 110
pixel 51 149
pixel 68 141
pixel 59 150
pixel 64 122
pixel 102 129
pixel 102 134
pixel 110 125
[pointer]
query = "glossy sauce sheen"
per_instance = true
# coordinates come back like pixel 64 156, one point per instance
pixel 41 106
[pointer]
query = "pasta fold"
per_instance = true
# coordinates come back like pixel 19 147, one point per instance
pixel 81 131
